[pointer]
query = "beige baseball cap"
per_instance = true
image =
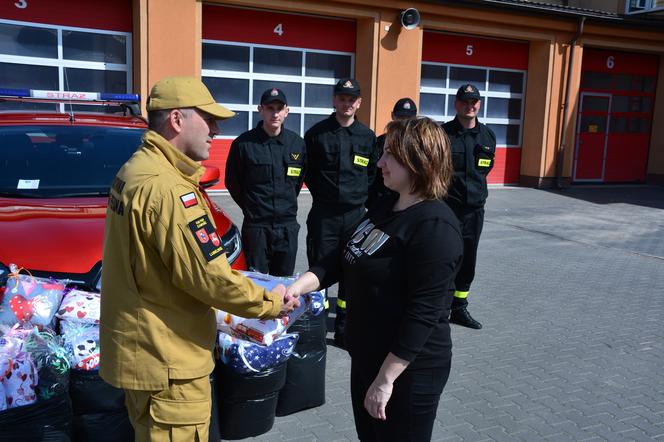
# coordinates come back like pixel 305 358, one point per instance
pixel 182 92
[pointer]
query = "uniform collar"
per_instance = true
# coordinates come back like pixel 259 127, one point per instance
pixel 191 170
pixel 353 128
pixel 460 128
pixel 264 137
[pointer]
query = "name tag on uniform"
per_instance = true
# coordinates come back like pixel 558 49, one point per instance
pixel 483 162
pixel 294 171
pixel 360 160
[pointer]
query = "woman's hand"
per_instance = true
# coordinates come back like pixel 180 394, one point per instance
pixel 380 390
pixel 307 282
pixel 376 399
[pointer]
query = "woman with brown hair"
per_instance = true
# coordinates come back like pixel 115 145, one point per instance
pixel 399 267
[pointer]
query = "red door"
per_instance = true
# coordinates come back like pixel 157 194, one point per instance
pixel 615 117
pixel 589 159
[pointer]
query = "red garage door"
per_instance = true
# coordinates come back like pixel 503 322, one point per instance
pixel 65 45
pixel 246 51
pixel 498 69
pixel 615 116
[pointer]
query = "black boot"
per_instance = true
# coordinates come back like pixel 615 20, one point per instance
pixel 461 316
pixel 340 328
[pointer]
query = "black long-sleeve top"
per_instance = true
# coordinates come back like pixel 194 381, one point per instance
pixel 264 174
pixel 398 269
pixel 341 163
pixel 473 152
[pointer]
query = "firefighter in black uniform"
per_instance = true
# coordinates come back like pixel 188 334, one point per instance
pixel 403 109
pixel 264 175
pixel 473 151
pixel 342 157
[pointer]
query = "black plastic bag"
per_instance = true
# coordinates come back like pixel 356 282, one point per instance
pixel 99 411
pixel 44 421
pixel 213 434
pixel 90 394
pixel 247 402
pixel 235 387
pixel 102 427
pixel 248 418
pixel 305 372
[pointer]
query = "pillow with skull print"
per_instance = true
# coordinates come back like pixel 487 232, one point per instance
pixel 81 344
pixel 80 306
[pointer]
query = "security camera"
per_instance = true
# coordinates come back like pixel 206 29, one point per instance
pixel 410 18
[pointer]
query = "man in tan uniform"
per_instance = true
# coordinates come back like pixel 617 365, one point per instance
pixel 164 268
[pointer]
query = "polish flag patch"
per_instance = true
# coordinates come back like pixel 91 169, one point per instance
pixel 189 200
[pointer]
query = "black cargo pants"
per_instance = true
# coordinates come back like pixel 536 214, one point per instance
pixel 471 221
pixel 272 248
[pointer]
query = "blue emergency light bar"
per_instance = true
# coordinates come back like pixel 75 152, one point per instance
pixel 119 97
pixel 69 95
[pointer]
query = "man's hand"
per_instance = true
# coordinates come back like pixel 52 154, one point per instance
pixel 289 302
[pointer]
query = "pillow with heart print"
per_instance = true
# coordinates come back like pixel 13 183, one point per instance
pixel 27 299
pixel 80 306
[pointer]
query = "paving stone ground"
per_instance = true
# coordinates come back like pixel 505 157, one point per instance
pixel 570 289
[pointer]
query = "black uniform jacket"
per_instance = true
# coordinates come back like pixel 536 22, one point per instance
pixel 264 174
pixel 341 163
pixel 473 153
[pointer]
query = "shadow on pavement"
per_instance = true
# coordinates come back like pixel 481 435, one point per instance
pixel 639 195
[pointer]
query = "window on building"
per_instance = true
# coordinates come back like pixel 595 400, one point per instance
pixel 643 6
pixel 238 73
pixel 52 57
pixel 502 93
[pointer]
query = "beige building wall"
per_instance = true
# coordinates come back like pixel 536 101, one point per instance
pixel 167 41
pixel 399 65
pixel 168 33
pixel 656 154
pixel 541 61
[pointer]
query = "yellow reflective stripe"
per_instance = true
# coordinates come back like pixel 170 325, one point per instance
pixel 361 161
pixel 327 304
pixel 461 295
pixel 483 162
pixel 341 303
pixel 294 171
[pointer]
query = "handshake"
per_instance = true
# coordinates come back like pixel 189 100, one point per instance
pixel 288 301
pixel 290 295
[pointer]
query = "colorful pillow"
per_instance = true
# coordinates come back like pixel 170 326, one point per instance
pixel 81 344
pixel 248 357
pixel 80 306
pixel 27 299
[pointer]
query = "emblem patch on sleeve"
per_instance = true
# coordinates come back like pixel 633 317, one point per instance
pixel 207 238
pixel 189 200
